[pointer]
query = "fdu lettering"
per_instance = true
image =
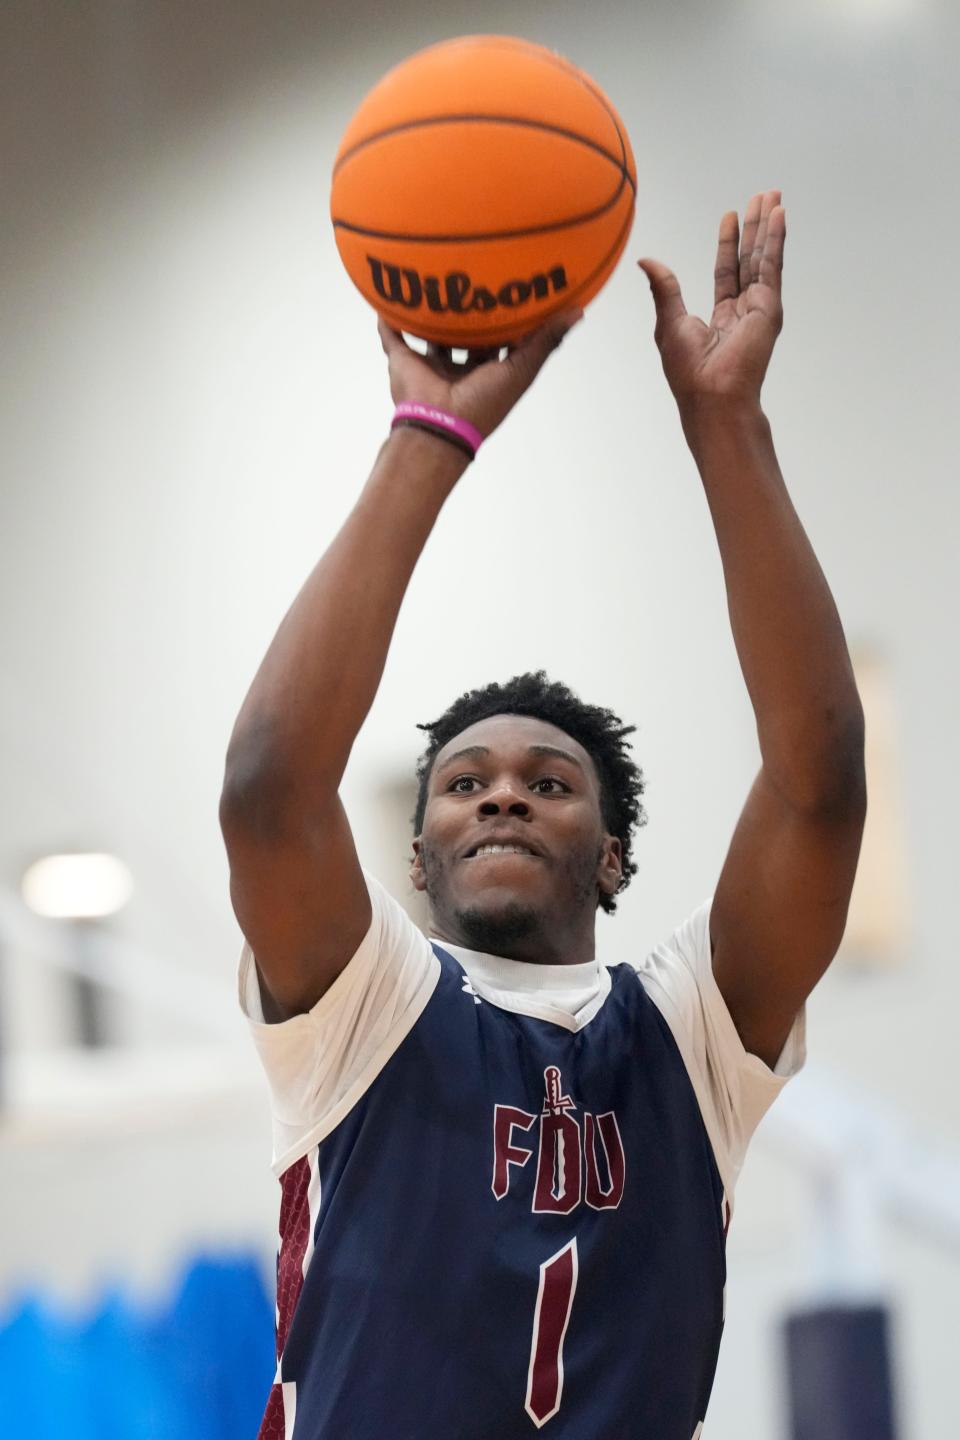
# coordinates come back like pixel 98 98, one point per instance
pixel 579 1155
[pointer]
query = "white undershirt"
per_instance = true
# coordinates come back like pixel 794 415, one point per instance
pixel 520 984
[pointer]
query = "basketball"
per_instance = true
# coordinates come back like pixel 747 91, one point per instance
pixel 483 184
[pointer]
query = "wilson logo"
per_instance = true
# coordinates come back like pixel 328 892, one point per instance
pixel 455 293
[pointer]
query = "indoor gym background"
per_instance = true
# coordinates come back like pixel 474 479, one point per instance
pixel 193 394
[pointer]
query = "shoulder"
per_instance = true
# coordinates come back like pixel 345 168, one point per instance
pixel 320 1063
pixel 734 1089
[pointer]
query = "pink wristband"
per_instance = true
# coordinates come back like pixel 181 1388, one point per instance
pixel 460 432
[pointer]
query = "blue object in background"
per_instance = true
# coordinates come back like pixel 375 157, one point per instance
pixel 840 1381
pixel 219 1342
pixel 199 1368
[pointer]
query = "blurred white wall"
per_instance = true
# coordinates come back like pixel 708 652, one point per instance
pixel 192 396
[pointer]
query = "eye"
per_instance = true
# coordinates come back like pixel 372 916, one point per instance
pixel 463 784
pixel 469 784
pixel 558 787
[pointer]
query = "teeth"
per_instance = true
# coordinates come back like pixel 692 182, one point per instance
pixel 502 850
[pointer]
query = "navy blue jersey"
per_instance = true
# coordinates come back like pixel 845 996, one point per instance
pixel 505 1223
pixel 517 1225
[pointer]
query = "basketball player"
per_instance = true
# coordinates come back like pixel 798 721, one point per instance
pixel 506 1170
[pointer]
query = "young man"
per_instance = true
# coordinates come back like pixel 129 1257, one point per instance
pixel 506 1170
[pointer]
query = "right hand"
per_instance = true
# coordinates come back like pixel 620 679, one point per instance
pixel 484 389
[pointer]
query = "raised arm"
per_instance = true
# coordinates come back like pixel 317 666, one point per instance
pixel 781 901
pixel 295 881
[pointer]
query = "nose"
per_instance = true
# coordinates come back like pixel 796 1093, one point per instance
pixel 503 800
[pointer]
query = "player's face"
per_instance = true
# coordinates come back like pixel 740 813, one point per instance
pixel 513 854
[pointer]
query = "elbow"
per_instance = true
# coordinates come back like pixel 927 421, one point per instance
pixel 845 799
pixel 256 790
pixel 267 790
pixel 826 774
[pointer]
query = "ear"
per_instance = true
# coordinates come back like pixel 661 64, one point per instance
pixel 417 877
pixel 610 869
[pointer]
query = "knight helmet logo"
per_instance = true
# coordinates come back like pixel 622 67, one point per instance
pixel 573 1165
pixel 456 294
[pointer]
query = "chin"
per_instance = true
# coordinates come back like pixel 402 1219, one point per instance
pixel 492 928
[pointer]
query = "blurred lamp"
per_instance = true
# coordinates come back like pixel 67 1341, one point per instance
pixel 77 887
pixel 878 923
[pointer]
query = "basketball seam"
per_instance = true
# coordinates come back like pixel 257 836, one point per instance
pixel 550 57
pixel 560 62
pixel 489 120
pixel 568 297
pixel 547 229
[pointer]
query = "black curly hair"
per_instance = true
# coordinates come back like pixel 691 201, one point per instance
pixel 601 733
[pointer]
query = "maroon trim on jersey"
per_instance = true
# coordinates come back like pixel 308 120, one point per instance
pixel 274 1425
pixel 294 1238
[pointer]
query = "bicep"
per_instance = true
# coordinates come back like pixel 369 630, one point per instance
pixel 780 908
pixel 300 899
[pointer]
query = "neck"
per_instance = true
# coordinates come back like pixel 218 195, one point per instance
pixel 511 940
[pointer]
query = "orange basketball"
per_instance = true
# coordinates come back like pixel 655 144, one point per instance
pixel 483 184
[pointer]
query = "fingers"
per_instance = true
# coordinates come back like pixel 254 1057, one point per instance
pixel 771 261
pixel 551 333
pixel 666 293
pixel 388 338
pixel 441 357
pixel 760 258
pixel 751 224
pixel 534 346
pixel 540 342
pixel 526 357
pixel 478 357
pixel 726 272
pixel 756 224
pixel 767 203
pixel 546 336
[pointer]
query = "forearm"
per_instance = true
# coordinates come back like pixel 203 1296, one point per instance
pixel 786 629
pixel 320 674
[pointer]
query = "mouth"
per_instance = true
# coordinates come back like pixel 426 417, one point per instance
pixel 494 848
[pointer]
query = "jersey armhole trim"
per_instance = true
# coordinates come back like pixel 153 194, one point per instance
pixel 721 1156
pixel 343 982
pixel 361 1085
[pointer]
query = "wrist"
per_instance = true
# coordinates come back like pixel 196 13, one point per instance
pixel 426 453
pixel 457 431
pixel 715 419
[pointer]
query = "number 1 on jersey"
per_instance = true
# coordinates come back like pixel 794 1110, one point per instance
pixel 558 1282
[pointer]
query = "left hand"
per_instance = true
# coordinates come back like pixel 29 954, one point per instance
pixel 483 390
pixel 729 357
